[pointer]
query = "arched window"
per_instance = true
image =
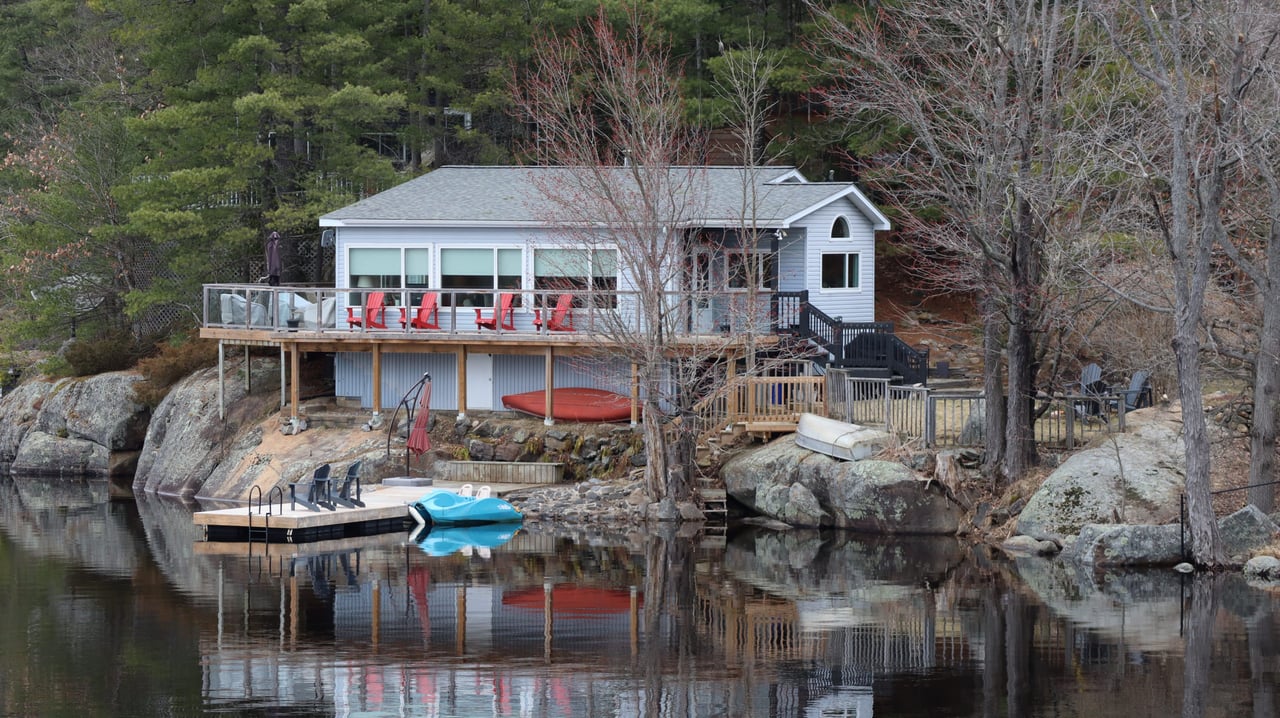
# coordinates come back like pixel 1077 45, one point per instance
pixel 840 228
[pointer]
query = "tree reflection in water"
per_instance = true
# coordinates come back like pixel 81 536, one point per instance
pixel 794 623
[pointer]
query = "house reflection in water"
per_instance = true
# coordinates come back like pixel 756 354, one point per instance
pixel 461 634
pixel 766 624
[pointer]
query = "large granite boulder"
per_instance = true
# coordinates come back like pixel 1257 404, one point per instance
pixel 1136 545
pixel 1130 478
pixel 186 441
pixel 19 408
pixel 1104 545
pixel 92 425
pixel 805 488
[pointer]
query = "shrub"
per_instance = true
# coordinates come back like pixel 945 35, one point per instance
pixel 110 351
pixel 176 359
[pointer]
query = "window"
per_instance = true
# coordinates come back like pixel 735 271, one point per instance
pixel 840 271
pixel 840 228
pixel 373 268
pixel 577 270
pixel 389 268
pixel 743 267
pixel 480 273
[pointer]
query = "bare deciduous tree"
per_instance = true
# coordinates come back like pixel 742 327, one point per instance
pixel 990 96
pixel 606 108
pixel 1181 156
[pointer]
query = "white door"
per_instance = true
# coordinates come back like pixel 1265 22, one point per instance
pixel 704 280
pixel 479 381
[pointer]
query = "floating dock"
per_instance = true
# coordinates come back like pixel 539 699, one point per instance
pixel 385 510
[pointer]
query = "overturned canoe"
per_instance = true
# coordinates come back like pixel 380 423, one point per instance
pixel 573 404
pixel 838 439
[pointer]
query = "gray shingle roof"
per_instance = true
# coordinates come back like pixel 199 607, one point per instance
pixel 504 195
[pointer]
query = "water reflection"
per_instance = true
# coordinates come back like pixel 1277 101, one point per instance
pixel 117 608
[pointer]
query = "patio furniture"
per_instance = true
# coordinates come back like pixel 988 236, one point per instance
pixel 561 319
pixel 317 491
pixel 503 314
pixel 427 315
pixel 374 315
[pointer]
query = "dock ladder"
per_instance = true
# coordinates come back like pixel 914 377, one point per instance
pixel 274 499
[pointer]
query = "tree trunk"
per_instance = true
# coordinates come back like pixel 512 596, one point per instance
pixel 1201 522
pixel 655 451
pixel 1019 443
pixel 992 388
pixel 1266 386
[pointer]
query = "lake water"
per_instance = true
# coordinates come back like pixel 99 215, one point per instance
pixel 117 608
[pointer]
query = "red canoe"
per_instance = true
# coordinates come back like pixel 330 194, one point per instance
pixel 573 404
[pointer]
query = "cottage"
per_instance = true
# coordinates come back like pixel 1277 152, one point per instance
pixel 470 274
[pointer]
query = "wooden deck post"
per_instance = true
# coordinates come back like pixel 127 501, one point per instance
pixel 283 374
pixel 635 394
pixel 462 381
pixel 377 379
pixel 550 381
pixel 731 373
pixel 294 370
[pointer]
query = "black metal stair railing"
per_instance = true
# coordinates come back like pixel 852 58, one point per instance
pixel 850 344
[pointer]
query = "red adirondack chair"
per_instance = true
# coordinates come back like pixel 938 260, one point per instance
pixel 561 319
pixel 503 314
pixel 427 316
pixel 374 315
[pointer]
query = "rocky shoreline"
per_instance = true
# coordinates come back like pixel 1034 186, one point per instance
pixel 1106 505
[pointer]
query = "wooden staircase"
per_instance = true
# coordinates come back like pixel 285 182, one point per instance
pixel 714 502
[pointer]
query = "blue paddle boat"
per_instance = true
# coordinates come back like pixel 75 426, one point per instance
pixel 447 540
pixel 441 507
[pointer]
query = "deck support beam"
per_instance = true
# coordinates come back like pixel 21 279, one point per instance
pixel 635 394
pixel 283 400
pixel 376 420
pixel 294 391
pixel 549 377
pixel 462 382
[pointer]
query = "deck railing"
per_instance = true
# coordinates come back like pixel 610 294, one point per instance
pixel 760 400
pixel 954 418
pixel 329 309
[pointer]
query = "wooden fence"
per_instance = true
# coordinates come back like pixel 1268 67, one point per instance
pixel 952 418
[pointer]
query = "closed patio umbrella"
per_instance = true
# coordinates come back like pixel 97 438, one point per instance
pixel 273 259
pixel 419 440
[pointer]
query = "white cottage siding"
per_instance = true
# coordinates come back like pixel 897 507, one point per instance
pixel 851 305
pixel 791 261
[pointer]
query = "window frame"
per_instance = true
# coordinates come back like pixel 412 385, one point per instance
pixel 447 294
pixel 581 285
pixel 857 274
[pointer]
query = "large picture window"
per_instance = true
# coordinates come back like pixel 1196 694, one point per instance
pixel 577 271
pixel 478 274
pixel 840 270
pixel 389 269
